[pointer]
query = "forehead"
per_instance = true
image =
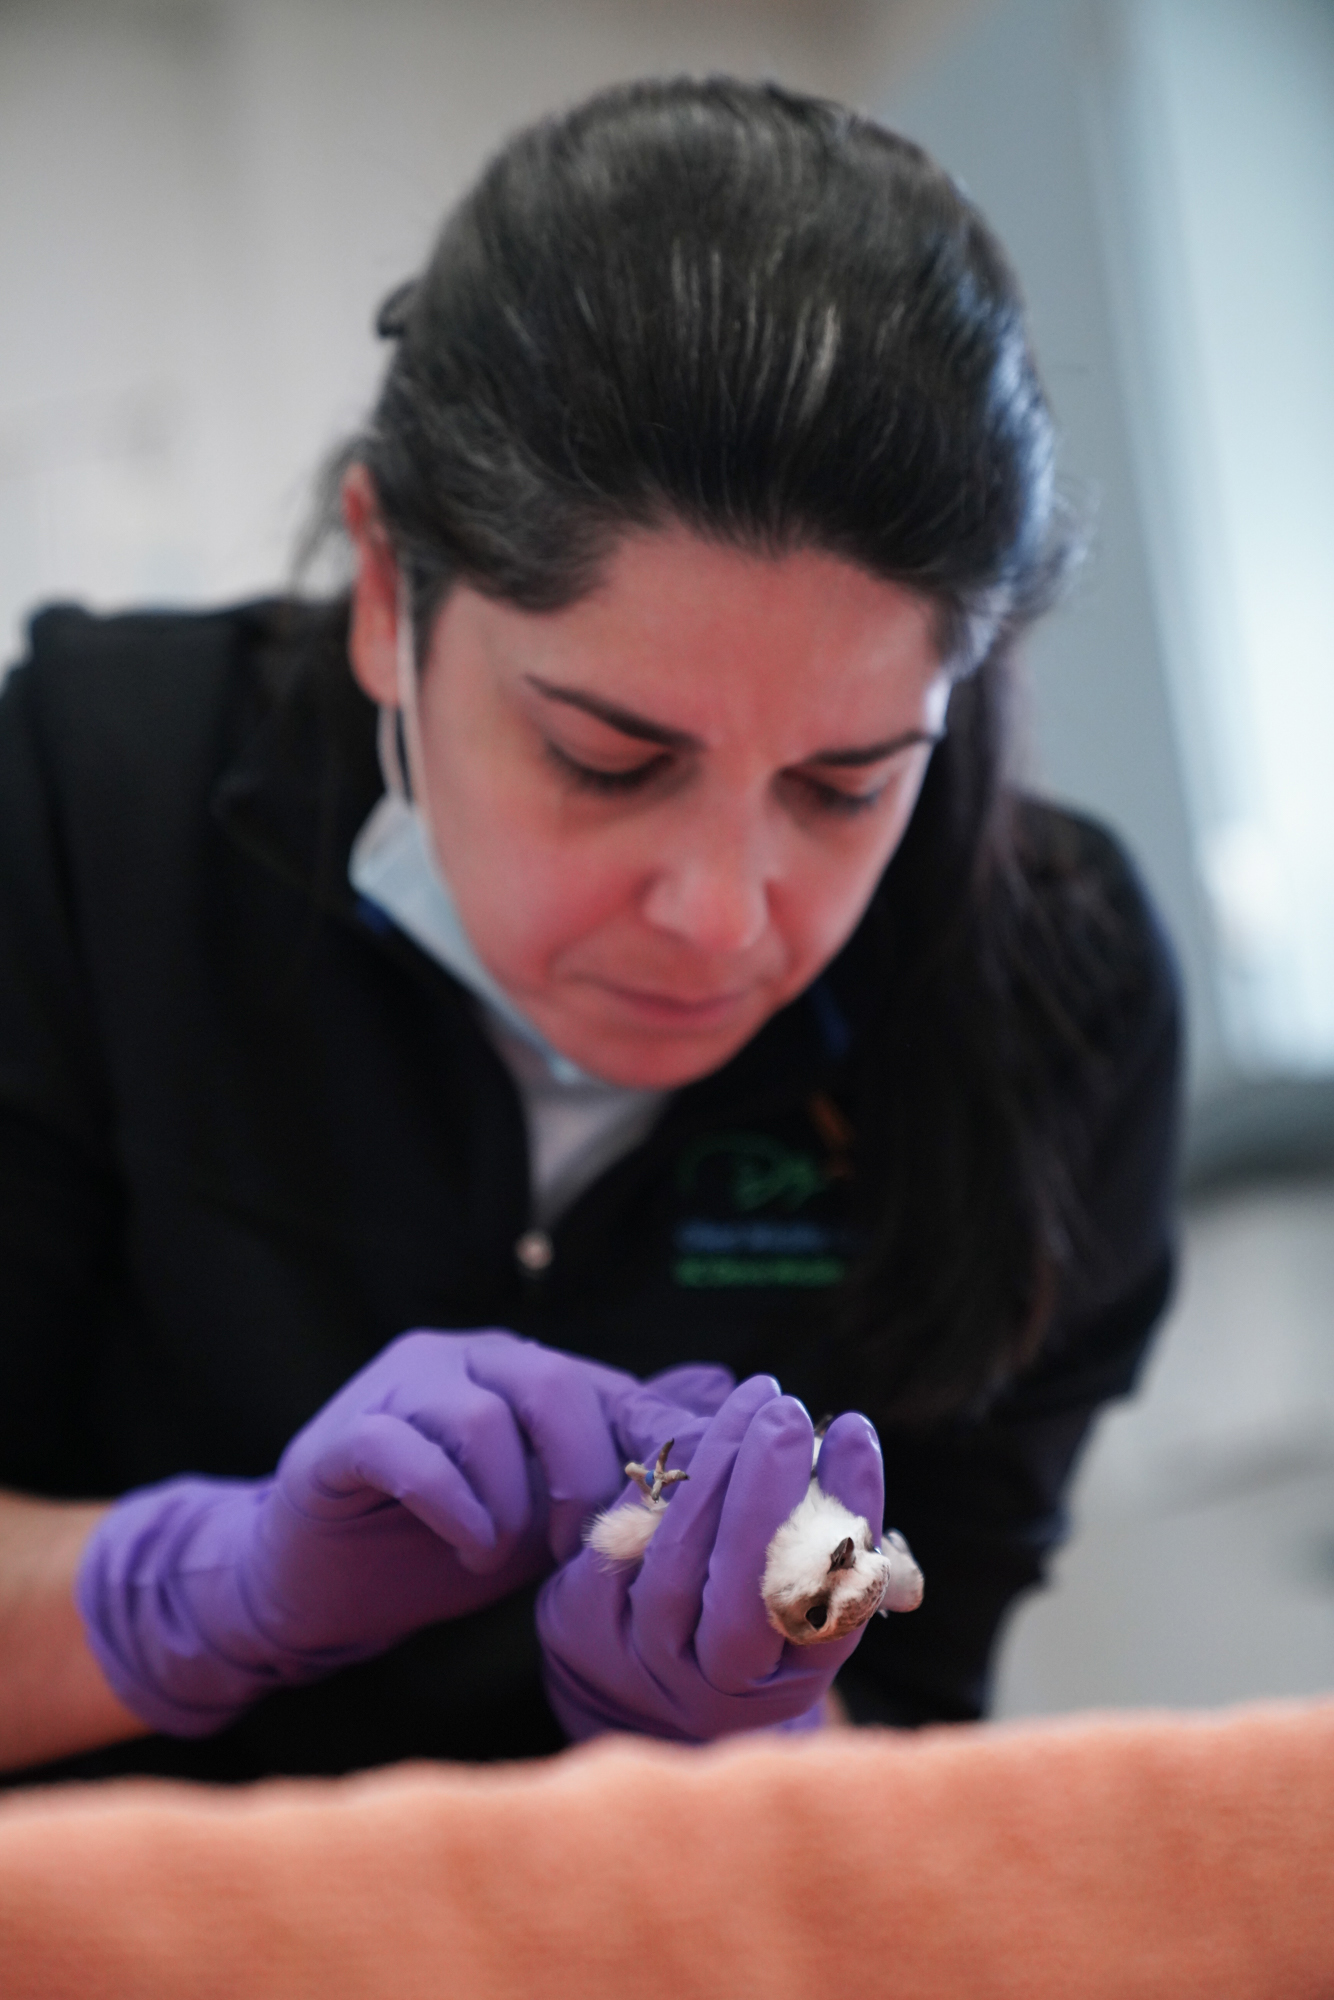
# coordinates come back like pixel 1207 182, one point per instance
pixel 712 639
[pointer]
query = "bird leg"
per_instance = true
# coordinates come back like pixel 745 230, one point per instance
pixel 651 1484
pixel 621 1534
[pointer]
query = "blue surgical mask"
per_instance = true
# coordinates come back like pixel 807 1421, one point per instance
pixel 394 864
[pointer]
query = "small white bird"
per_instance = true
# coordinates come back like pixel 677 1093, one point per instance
pixel 823 1574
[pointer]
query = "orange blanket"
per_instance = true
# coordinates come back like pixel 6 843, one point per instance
pixel 1151 1856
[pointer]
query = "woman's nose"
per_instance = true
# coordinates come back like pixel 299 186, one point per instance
pixel 714 895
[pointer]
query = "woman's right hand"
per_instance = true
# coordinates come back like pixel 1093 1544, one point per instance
pixel 453 1469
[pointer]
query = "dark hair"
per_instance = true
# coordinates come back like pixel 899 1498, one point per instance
pixel 754 313
pixel 770 320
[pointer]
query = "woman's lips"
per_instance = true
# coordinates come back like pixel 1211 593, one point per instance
pixel 670 1009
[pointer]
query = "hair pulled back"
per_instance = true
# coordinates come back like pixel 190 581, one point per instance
pixel 770 320
pixel 753 313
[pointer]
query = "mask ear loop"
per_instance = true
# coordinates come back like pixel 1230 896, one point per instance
pixel 405 663
pixel 390 729
pixel 397 736
pixel 399 729
pixel 388 752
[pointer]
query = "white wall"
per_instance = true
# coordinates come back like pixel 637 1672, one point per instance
pixel 1219 156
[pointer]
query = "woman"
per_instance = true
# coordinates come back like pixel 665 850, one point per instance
pixel 640 951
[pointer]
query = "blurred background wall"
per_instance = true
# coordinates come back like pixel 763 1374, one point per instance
pixel 201 202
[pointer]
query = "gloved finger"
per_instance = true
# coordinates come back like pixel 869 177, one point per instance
pixel 735 1644
pixel 851 1469
pixel 422 1379
pixel 642 1422
pixel 666 1597
pixel 702 1387
pixel 557 1402
pixel 389 1455
pixel 478 1430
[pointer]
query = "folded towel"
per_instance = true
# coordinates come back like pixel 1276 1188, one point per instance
pixel 1113 1856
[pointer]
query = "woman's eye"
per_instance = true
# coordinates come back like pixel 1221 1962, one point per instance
pixel 588 778
pixel 830 799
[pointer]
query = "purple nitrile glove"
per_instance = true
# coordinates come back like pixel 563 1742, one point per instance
pixel 680 1646
pixel 453 1469
pixel 676 1404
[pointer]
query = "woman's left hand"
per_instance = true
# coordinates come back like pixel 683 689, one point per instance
pixel 680 1645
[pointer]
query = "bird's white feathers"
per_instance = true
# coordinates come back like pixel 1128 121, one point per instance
pixel 622 1534
pixel 823 1574
pixel 903 1591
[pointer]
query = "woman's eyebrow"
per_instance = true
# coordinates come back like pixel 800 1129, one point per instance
pixel 645 730
pixel 871 753
pixel 623 719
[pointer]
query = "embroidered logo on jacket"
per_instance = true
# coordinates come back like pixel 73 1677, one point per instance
pixel 755 1184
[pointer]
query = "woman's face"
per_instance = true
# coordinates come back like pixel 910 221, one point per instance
pixel 664 809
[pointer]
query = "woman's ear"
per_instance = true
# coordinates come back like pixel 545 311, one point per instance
pixel 372 641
